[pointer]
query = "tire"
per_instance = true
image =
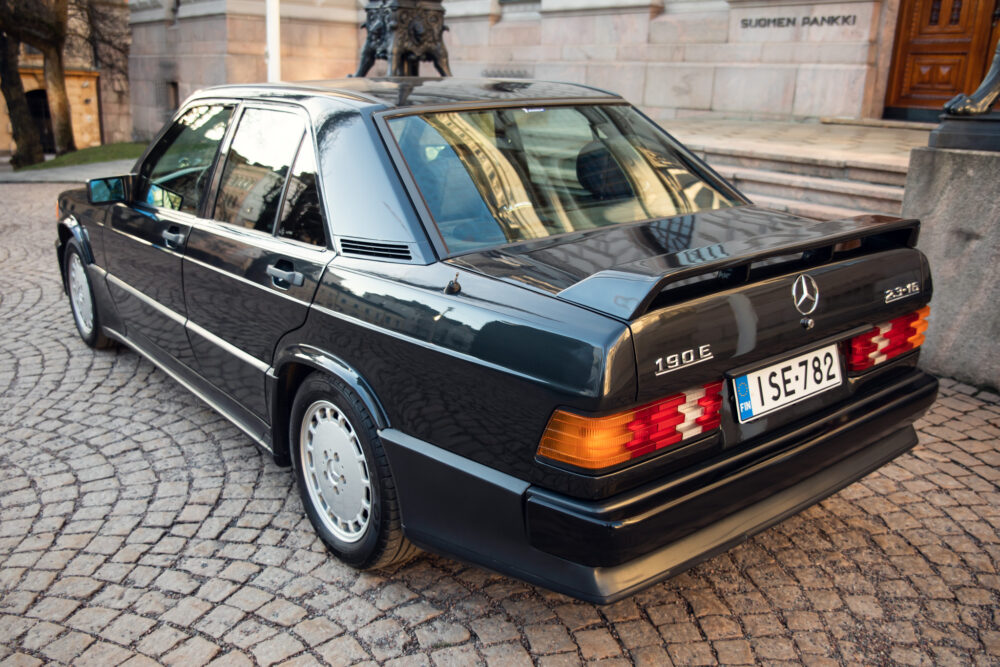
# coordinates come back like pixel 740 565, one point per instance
pixel 86 315
pixel 343 475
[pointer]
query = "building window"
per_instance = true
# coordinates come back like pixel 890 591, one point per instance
pixel 173 95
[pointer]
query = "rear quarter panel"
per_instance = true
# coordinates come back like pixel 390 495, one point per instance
pixel 477 373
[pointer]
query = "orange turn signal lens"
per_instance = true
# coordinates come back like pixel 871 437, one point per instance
pixel 919 326
pixel 601 442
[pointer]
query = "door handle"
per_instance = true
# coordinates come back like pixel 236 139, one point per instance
pixel 287 277
pixel 173 240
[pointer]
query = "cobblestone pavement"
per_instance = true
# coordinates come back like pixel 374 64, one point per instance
pixel 137 525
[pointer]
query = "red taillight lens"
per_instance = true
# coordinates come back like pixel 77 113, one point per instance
pixel 599 442
pixel 887 340
pixel 862 349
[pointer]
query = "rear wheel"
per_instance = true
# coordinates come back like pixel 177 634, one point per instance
pixel 81 299
pixel 343 475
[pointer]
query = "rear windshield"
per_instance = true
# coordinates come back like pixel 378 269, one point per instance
pixel 497 176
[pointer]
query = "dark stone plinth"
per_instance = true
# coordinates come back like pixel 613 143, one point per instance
pixel 976 133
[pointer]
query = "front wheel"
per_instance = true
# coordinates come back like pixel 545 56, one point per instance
pixel 81 299
pixel 343 475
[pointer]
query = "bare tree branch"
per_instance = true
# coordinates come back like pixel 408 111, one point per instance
pixel 102 26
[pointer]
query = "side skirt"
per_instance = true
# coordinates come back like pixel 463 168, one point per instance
pixel 243 419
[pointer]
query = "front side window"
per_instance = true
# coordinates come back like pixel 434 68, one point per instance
pixel 498 176
pixel 177 172
pixel 262 151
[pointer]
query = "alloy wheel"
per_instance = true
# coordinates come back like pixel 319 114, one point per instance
pixel 335 471
pixel 79 294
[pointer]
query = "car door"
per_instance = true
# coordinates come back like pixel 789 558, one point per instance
pixel 147 238
pixel 250 273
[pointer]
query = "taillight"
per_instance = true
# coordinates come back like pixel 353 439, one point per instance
pixel 887 340
pixel 600 442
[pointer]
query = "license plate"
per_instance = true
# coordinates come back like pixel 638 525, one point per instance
pixel 787 382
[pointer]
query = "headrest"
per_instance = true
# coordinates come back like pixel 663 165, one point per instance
pixel 599 172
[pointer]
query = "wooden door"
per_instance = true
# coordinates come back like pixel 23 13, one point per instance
pixel 942 49
pixel 995 39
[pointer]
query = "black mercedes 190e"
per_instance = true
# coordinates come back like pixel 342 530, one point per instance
pixel 510 321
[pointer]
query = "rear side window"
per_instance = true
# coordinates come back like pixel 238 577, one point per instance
pixel 176 173
pixel 254 176
pixel 301 214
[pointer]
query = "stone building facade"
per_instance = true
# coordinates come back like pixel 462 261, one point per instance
pixel 711 57
pixel 753 59
pixel 767 59
pixel 181 46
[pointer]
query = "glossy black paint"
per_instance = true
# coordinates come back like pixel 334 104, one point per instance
pixel 144 249
pixel 621 270
pixel 442 497
pixel 610 532
pixel 383 212
pixel 462 383
pixel 231 297
pixel 408 92
pixel 86 224
pixel 478 371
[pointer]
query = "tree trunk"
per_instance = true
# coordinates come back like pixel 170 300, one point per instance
pixel 28 145
pixel 55 88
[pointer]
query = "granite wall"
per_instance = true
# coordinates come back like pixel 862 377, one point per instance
pixel 757 59
pixel 956 195
pixel 179 48
pixel 767 59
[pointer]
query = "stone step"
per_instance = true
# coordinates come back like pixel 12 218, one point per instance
pixel 887 170
pixel 806 209
pixel 853 195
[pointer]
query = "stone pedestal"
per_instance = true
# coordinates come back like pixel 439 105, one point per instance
pixel 956 195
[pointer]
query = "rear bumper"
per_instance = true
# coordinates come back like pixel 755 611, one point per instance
pixel 602 551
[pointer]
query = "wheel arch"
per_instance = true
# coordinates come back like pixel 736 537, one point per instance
pixel 290 368
pixel 70 228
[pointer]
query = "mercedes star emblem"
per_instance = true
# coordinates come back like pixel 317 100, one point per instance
pixel 805 294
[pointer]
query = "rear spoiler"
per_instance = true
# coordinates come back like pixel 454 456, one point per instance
pixel 630 290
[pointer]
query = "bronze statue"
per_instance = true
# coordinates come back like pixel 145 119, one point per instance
pixel 404 32
pixel 985 96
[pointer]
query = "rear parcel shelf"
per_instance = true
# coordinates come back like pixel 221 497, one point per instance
pixel 630 290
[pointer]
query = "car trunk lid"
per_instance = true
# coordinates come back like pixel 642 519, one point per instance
pixel 714 289
pixel 624 271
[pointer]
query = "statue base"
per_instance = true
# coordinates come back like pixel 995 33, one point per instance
pixel 976 133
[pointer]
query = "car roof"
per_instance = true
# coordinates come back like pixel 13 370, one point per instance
pixel 407 92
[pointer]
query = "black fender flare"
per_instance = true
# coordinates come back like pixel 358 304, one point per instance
pixel 320 360
pixel 77 232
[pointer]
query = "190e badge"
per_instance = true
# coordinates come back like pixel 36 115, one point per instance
pixel 673 362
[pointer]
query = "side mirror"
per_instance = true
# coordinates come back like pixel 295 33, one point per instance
pixel 109 190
